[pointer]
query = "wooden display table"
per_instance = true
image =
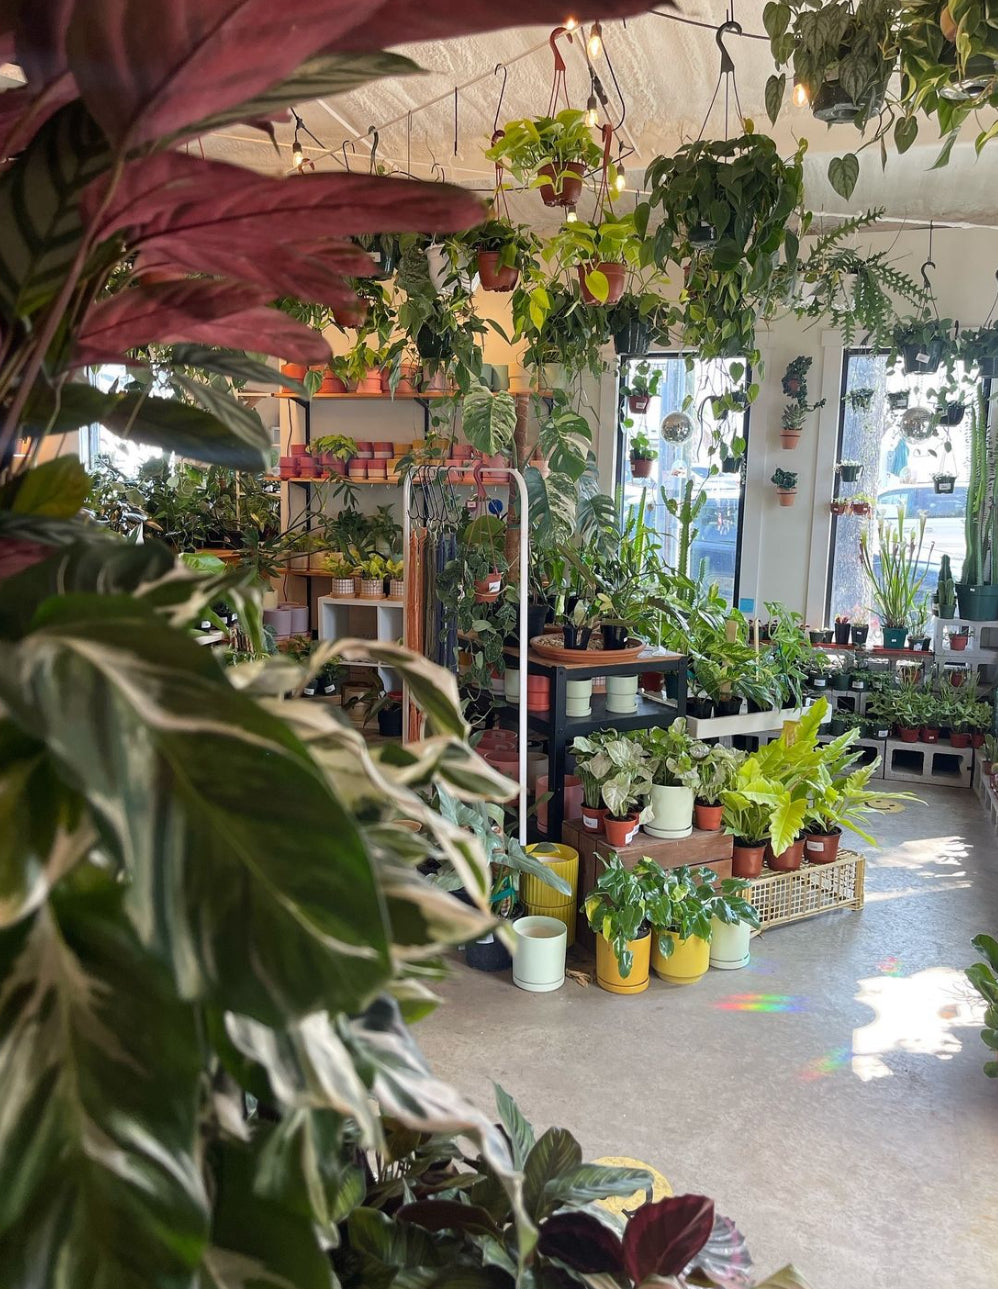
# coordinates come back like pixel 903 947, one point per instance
pixel 711 849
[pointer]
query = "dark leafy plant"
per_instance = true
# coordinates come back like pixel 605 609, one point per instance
pixel 984 977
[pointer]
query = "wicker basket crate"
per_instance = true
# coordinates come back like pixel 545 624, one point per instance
pixel 813 889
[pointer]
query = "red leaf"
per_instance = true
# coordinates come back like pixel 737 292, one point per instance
pixel 173 193
pixel 40 40
pixel 23 111
pixel 582 1242
pixel 662 1238
pixel 147 68
pixel 411 20
pixel 212 313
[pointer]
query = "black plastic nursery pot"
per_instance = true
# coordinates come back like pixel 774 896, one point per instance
pixel 838 725
pixel 944 483
pixel 850 473
pixel 432 347
pixel 842 633
pixel 820 637
pixel 898 400
pixel 860 634
pixel 730 465
pixel 978 603
pixel 818 680
pixel 633 340
pixel 952 414
pixel 922 359
pixel 700 709
pixel 842 682
pixel 894 637
pixel 727 706
pixel 577 637
pixel 390 722
pixel 614 635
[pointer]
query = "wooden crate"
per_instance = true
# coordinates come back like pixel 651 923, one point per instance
pixel 711 849
pixel 812 889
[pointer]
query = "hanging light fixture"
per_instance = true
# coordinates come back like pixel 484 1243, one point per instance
pixel 592 111
pixel 620 178
pixel 572 217
pixel 800 96
pixel 595 45
pixel 570 23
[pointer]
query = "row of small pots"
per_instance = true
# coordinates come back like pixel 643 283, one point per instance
pixel 375 382
pixel 933 733
pixel 367 588
pixel 748 857
pixel 842 633
pixel 727 949
pixel 843 506
pixel 621 693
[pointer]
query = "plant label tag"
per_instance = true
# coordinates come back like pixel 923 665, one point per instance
pixel 814 845
pixel 922 357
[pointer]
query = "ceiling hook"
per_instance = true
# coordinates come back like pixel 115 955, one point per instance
pixel 726 28
pixel 347 143
pixel 499 67
pixel 930 264
pixel 372 131
pixel 437 169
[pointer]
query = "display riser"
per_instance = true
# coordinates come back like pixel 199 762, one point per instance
pixel 870 749
pixel 814 888
pixel 929 763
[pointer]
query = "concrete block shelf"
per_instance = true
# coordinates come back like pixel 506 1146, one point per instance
pixel 935 763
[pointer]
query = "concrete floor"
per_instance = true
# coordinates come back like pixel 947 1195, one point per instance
pixel 829 1096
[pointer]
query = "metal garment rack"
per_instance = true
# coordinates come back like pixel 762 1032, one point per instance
pixel 509 474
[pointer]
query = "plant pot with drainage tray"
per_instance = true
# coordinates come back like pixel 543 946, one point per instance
pixel 616 910
pixel 682 904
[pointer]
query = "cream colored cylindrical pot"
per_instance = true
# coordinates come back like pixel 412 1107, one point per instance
pixel 622 694
pixel 512 685
pixel 539 954
pixel 729 945
pixel 672 812
pixel 578 697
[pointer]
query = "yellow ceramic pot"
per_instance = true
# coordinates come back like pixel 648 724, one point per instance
pixel 608 975
pixel 689 960
pixel 545 901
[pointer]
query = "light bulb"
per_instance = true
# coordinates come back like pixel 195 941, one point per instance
pixel 800 98
pixel 571 217
pixel 297 155
pixel 595 45
pixel 619 179
pixel 592 112
pixel 570 24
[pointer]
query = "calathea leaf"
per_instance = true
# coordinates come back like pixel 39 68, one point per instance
pixel 588 1182
pixel 100 1071
pixel 663 1238
pixel 583 1242
pixel 56 488
pixel 188 431
pixel 519 1131
pixel 243 421
pixel 232 363
pixel 554 1153
pixel 263 919
pixel 39 210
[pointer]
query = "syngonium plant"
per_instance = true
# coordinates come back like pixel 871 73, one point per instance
pixel 175 949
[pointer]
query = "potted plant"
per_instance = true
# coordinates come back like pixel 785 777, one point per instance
pixel 898 574
pixel 959 638
pixel 624 790
pixel 501 250
pixel 716 768
pixel 860 629
pixel 616 910
pixel 795 413
pixel 642 456
pixel 639 318
pixel 923 343
pixel 372 572
pixel 943 481
pixel 849 471
pixel 342 571
pixel 681 905
pixel 840 506
pixel 786 486
pixel 485 567
pixel 838 798
pixel 593 765
pixel 577 626
pixel 336 450
pixel 979 348
pixel 842 629
pixel 598 254
pixel 863 504
pixel 977 590
pixel 673 773
pixel 641 386
pixel 552 153
pixel 745 818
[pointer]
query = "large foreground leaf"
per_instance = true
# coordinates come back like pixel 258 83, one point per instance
pixel 100 1068
pixel 242 444
pixel 184 778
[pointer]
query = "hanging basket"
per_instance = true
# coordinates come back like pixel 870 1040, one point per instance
pixel 615 275
pixel 562 185
pixel 944 483
pixel 634 340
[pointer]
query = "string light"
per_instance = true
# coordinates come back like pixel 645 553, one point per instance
pixel 570 24
pixel 297 152
pixel 571 217
pixel 595 45
pixel 620 178
pixel 800 97
pixel 592 112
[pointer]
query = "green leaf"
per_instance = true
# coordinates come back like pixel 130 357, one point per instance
pixel 56 489
pixel 598 284
pixel 101 1068
pixel 775 87
pixel 554 1153
pixel 232 363
pixel 591 1182
pixel 843 173
pixel 243 421
pixel 489 419
pixel 189 431
pixel 776 19
pixel 268 920
pixel 39 210
pixel 519 1131
pixel 944 152
pixel 74 405
pixel 786 1278
pixel 905 133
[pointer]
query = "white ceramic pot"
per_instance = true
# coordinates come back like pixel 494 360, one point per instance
pixel 622 694
pixel 539 954
pixel 512 685
pixel 672 812
pixel 729 945
pixel 579 689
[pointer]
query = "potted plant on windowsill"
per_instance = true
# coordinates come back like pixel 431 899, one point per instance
pixel 977 590
pixel 786 486
pixel 796 412
pixel 640 387
pixel 616 910
pixel 642 456
pixel 552 153
pixel 897 575
pixel 849 471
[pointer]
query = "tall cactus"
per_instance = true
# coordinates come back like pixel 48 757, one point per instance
pixel 685 511
pixel 980 567
pixel 945 587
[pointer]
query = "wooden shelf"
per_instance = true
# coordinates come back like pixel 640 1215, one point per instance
pixel 392 482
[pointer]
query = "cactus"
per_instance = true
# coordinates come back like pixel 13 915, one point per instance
pixel 980 567
pixel 945 587
pixel 685 512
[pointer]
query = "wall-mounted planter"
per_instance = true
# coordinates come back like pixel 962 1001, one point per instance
pixel 789 438
pixel 786 496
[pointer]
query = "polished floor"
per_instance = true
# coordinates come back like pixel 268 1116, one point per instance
pixel 829 1096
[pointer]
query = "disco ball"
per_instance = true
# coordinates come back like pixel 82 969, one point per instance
pixel 917 425
pixel 677 428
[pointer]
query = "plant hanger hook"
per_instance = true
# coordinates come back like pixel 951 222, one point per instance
pixel 929 263
pixel 347 143
pixel 499 67
pixel 375 137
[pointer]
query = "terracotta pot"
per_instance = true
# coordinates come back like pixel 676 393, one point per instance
pixel 789 438
pixel 371 383
pixel 790 860
pixel 687 963
pixel 572 800
pixel 538 693
pixel 563 186
pixel 746 859
pixel 956 678
pixel 356 468
pixel 977 739
pixel 593 818
pixel 822 848
pixel 638 403
pixel 929 735
pixel 641 467
pixel 707 818
pixel 908 735
pixel 608 975
pixel 334 464
pixel 299 449
pixel 332 385
pixel 959 740
pixel 294 371
pixel 786 496
pixel 351 315
pixel 959 641
pixel 377 469
pixel 860 507
pixel 365 449
pixel 615 276
pixel 619 832
pixel 384 450
pixel 495 278
pixel 488 589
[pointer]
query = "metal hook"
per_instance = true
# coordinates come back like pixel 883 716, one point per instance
pixel 437 169
pixel 930 264
pixel 502 94
pixel 372 131
pixel 735 29
pixel 347 143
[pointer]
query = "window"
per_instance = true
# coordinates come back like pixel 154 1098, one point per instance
pixel 689 387
pixel 897 470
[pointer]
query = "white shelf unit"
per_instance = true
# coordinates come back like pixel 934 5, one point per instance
pixel 375 620
pixel 976 652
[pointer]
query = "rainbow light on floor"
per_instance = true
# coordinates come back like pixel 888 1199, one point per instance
pixel 890 967
pixel 823 1066
pixel 759 1003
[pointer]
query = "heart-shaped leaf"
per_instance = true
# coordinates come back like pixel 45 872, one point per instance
pixel 843 173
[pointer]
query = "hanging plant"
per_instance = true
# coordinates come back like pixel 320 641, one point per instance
pixel 551 153
pixel 501 249
pixel 923 344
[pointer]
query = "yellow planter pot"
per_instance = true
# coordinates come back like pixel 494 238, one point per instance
pixel 689 961
pixel 608 975
pixel 545 901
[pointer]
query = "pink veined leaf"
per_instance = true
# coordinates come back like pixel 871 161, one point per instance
pixel 662 1238
pixel 213 313
pixel 147 68
pixel 411 20
pixel 23 111
pixel 173 192
pixel 40 39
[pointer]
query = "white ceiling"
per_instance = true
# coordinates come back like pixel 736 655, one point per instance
pixel 667 72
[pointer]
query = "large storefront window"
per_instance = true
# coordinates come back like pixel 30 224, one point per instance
pixel 895 426
pixel 689 449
